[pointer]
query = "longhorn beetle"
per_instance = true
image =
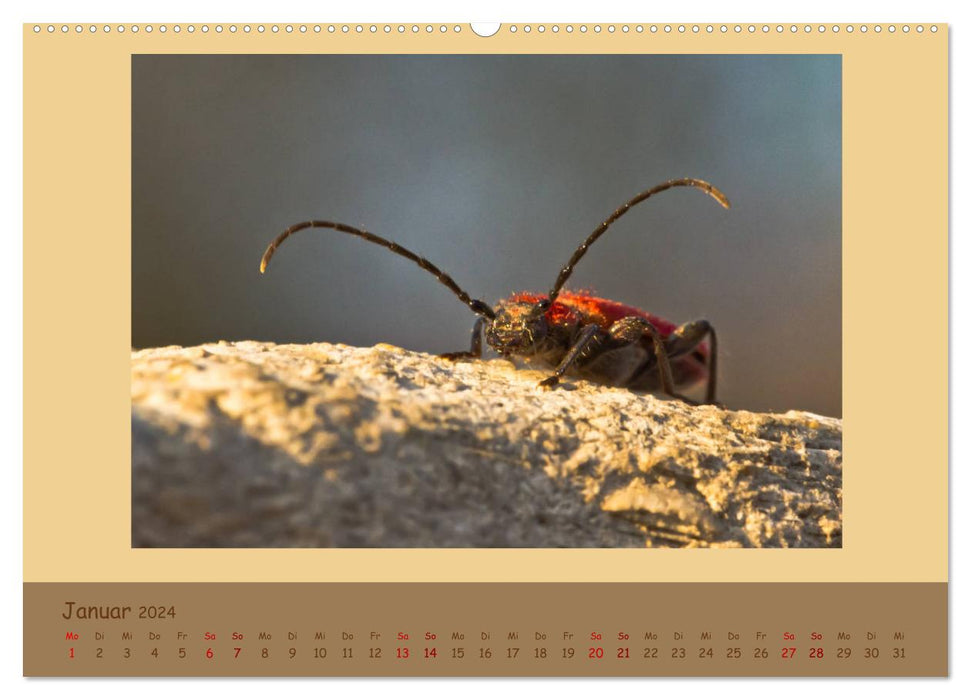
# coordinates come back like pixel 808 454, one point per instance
pixel 598 339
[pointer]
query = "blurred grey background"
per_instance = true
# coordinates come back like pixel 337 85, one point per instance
pixel 495 168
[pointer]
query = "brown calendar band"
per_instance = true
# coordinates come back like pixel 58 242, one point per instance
pixel 485 629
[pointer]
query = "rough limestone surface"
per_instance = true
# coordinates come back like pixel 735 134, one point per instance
pixel 252 444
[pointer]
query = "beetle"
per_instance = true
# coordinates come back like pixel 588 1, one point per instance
pixel 575 332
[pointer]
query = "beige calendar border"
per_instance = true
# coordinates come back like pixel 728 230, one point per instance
pixel 77 314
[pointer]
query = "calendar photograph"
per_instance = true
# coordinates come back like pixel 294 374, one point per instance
pixel 486 301
pixel 475 351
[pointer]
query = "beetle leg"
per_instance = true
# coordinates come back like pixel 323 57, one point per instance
pixel 588 336
pixel 632 329
pixel 686 338
pixel 475 352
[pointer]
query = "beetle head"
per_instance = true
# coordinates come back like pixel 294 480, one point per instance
pixel 519 328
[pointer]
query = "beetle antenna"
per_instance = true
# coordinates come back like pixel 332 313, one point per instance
pixel 581 251
pixel 478 307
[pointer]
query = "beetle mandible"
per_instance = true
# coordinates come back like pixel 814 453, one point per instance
pixel 577 333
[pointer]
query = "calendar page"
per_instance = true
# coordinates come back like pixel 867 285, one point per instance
pixel 486 350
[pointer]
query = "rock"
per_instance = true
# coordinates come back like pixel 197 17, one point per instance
pixel 259 445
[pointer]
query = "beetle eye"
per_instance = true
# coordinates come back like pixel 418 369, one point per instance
pixel 539 309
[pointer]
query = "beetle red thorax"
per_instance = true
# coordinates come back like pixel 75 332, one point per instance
pixel 521 327
pixel 584 308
